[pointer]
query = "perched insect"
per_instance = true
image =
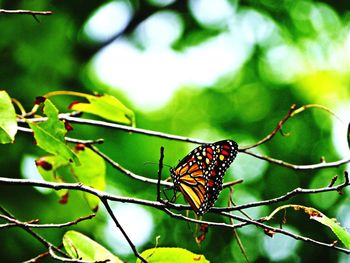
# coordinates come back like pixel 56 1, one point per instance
pixel 200 174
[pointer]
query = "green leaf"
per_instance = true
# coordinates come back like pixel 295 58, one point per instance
pixel 171 255
pixel 314 214
pixel 90 172
pixel 49 134
pixel 107 107
pixel 332 223
pixel 8 122
pixel 49 168
pixel 79 246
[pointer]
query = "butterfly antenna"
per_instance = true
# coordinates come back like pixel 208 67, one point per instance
pixel 154 163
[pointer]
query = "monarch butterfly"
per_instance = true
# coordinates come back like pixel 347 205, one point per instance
pixel 200 174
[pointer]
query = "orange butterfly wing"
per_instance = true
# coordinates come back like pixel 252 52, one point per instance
pixel 199 175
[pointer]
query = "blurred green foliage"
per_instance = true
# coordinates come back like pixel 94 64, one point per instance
pixel 304 60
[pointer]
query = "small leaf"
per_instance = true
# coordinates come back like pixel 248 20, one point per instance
pixel 90 172
pixel 171 255
pixel 49 168
pixel 332 223
pixel 79 246
pixel 49 135
pixel 8 122
pixel 314 214
pixel 107 107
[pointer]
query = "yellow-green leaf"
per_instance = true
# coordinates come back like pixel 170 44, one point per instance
pixel 107 107
pixel 171 255
pixel 49 134
pixel 314 214
pixel 332 223
pixel 8 122
pixel 90 172
pixel 79 246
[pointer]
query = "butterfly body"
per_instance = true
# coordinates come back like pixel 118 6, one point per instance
pixel 199 176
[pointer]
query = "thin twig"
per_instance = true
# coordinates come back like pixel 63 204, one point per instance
pixel 68 139
pixel 243 149
pixel 25 12
pixel 120 127
pixel 38 257
pixel 105 197
pixel 55 256
pixel 316 166
pixel 80 187
pixel 317 106
pixel 160 171
pixel 77 186
pixel 47 244
pixel 127 172
pixel 296 191
pixel 164 203
pixel 246 222
pixel 131 244
pixel 273 133
pixel 235 232
pixel 287 233
pixel 198 221
pixel 142 178
pixel 16 222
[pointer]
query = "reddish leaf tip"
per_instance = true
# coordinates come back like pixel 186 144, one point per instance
pixel 39 100
pixel 96 94
pixel 44 164
pixel 200 239
pixel 79 147
pixel 68 126
pixel 95 209
pixel 64 199
pixel 72 104
pixel 269 232
pixel 204 227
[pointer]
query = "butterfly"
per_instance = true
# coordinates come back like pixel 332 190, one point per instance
pixel 199 176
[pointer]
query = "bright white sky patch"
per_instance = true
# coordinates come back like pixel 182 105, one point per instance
pixel 108 20
pixel 150 76
pixel 210 12
pixel 137 223
pixel 280 247
pixel 160 30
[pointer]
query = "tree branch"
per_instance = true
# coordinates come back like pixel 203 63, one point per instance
pixel 298 166
pixel 274 131
pixel 25 12
pixel 90 144
pixel 295 192
pixel 104 197
pixel 47 244
pixel 243 149
pixel 54 256
pixel 287 233
pixel 160 171
pixel 67 139
pixel 131 244
pixel 125 171
pixel 116 126
pixel 15 222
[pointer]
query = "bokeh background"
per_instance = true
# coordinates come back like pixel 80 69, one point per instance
pixel 203 69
